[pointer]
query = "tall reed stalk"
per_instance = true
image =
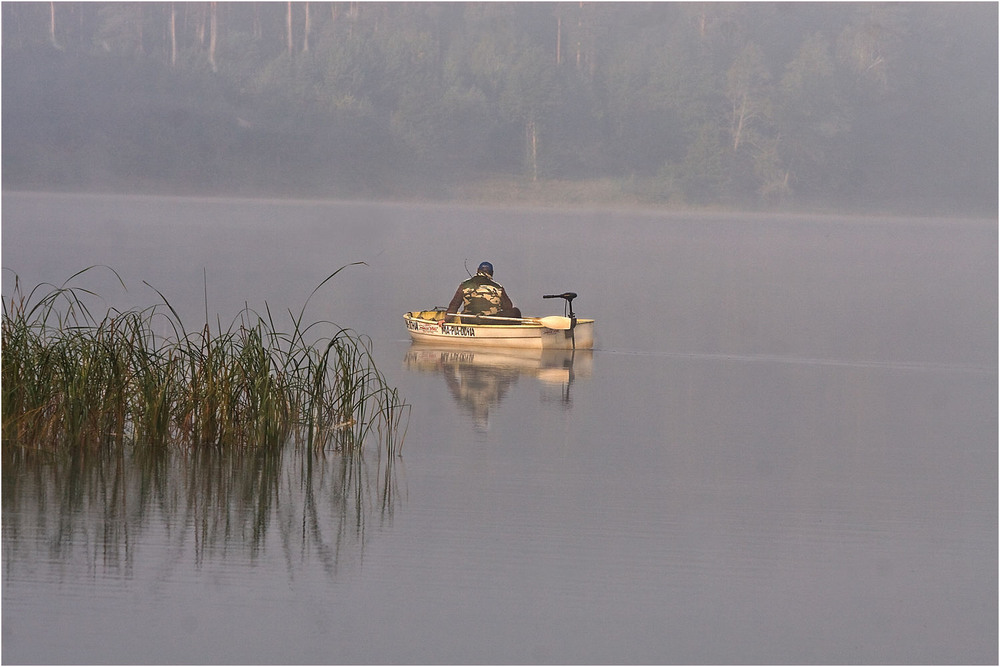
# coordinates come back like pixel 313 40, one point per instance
pixel 70 380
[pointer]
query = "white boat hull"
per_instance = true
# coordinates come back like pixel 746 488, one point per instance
pixel 429 327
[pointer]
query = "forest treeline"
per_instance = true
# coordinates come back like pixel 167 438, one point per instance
pixel 863 106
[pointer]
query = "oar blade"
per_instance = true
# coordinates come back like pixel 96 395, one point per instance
pixel 556 322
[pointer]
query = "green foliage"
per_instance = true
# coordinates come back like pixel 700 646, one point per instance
pixel 735 104
pixel 71 381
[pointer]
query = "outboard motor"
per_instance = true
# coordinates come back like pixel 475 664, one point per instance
pixel 569 296
pixel 568 310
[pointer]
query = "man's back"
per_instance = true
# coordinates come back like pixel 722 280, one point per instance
pixel 481 295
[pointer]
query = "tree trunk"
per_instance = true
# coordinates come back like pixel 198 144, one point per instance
pixel 52 23
pixel 579 30
pixel 305 38
pixel 739 117
pixel 173 34
pixel 140 48
pixel 558 41
pixel 533 149
pixel 213 29
pixel 201 24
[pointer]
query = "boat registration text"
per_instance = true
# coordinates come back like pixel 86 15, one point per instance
pixel 447 329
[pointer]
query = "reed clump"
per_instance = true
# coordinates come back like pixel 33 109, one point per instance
pixel 72 380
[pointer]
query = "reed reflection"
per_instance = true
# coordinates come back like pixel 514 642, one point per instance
pixel 480 379
pixel 97 509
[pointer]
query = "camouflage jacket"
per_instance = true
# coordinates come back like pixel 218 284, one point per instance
pixel 480 295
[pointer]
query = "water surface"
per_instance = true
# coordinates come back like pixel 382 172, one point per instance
pixel 783 449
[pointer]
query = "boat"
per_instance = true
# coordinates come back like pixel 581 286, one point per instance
pixel 552 332
pixel 429 326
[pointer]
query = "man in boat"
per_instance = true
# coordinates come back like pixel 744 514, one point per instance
pixel 481 295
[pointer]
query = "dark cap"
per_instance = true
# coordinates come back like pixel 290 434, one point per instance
pixel 486 268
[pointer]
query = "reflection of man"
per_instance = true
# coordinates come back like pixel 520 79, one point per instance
pixel 481 295
pixel 478 390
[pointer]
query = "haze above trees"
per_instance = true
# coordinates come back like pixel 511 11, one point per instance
pixel 888 107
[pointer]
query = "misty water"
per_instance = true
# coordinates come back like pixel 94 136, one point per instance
pixel 782 450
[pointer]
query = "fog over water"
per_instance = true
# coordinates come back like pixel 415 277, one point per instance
pixel 782 450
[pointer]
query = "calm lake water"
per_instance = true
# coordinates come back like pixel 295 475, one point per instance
pixel 782 450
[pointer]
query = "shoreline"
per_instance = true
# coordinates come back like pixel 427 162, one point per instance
pixel 596 194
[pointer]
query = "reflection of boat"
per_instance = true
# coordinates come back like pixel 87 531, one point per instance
pixel 547 365
pixel 480 378
pixel 547 333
